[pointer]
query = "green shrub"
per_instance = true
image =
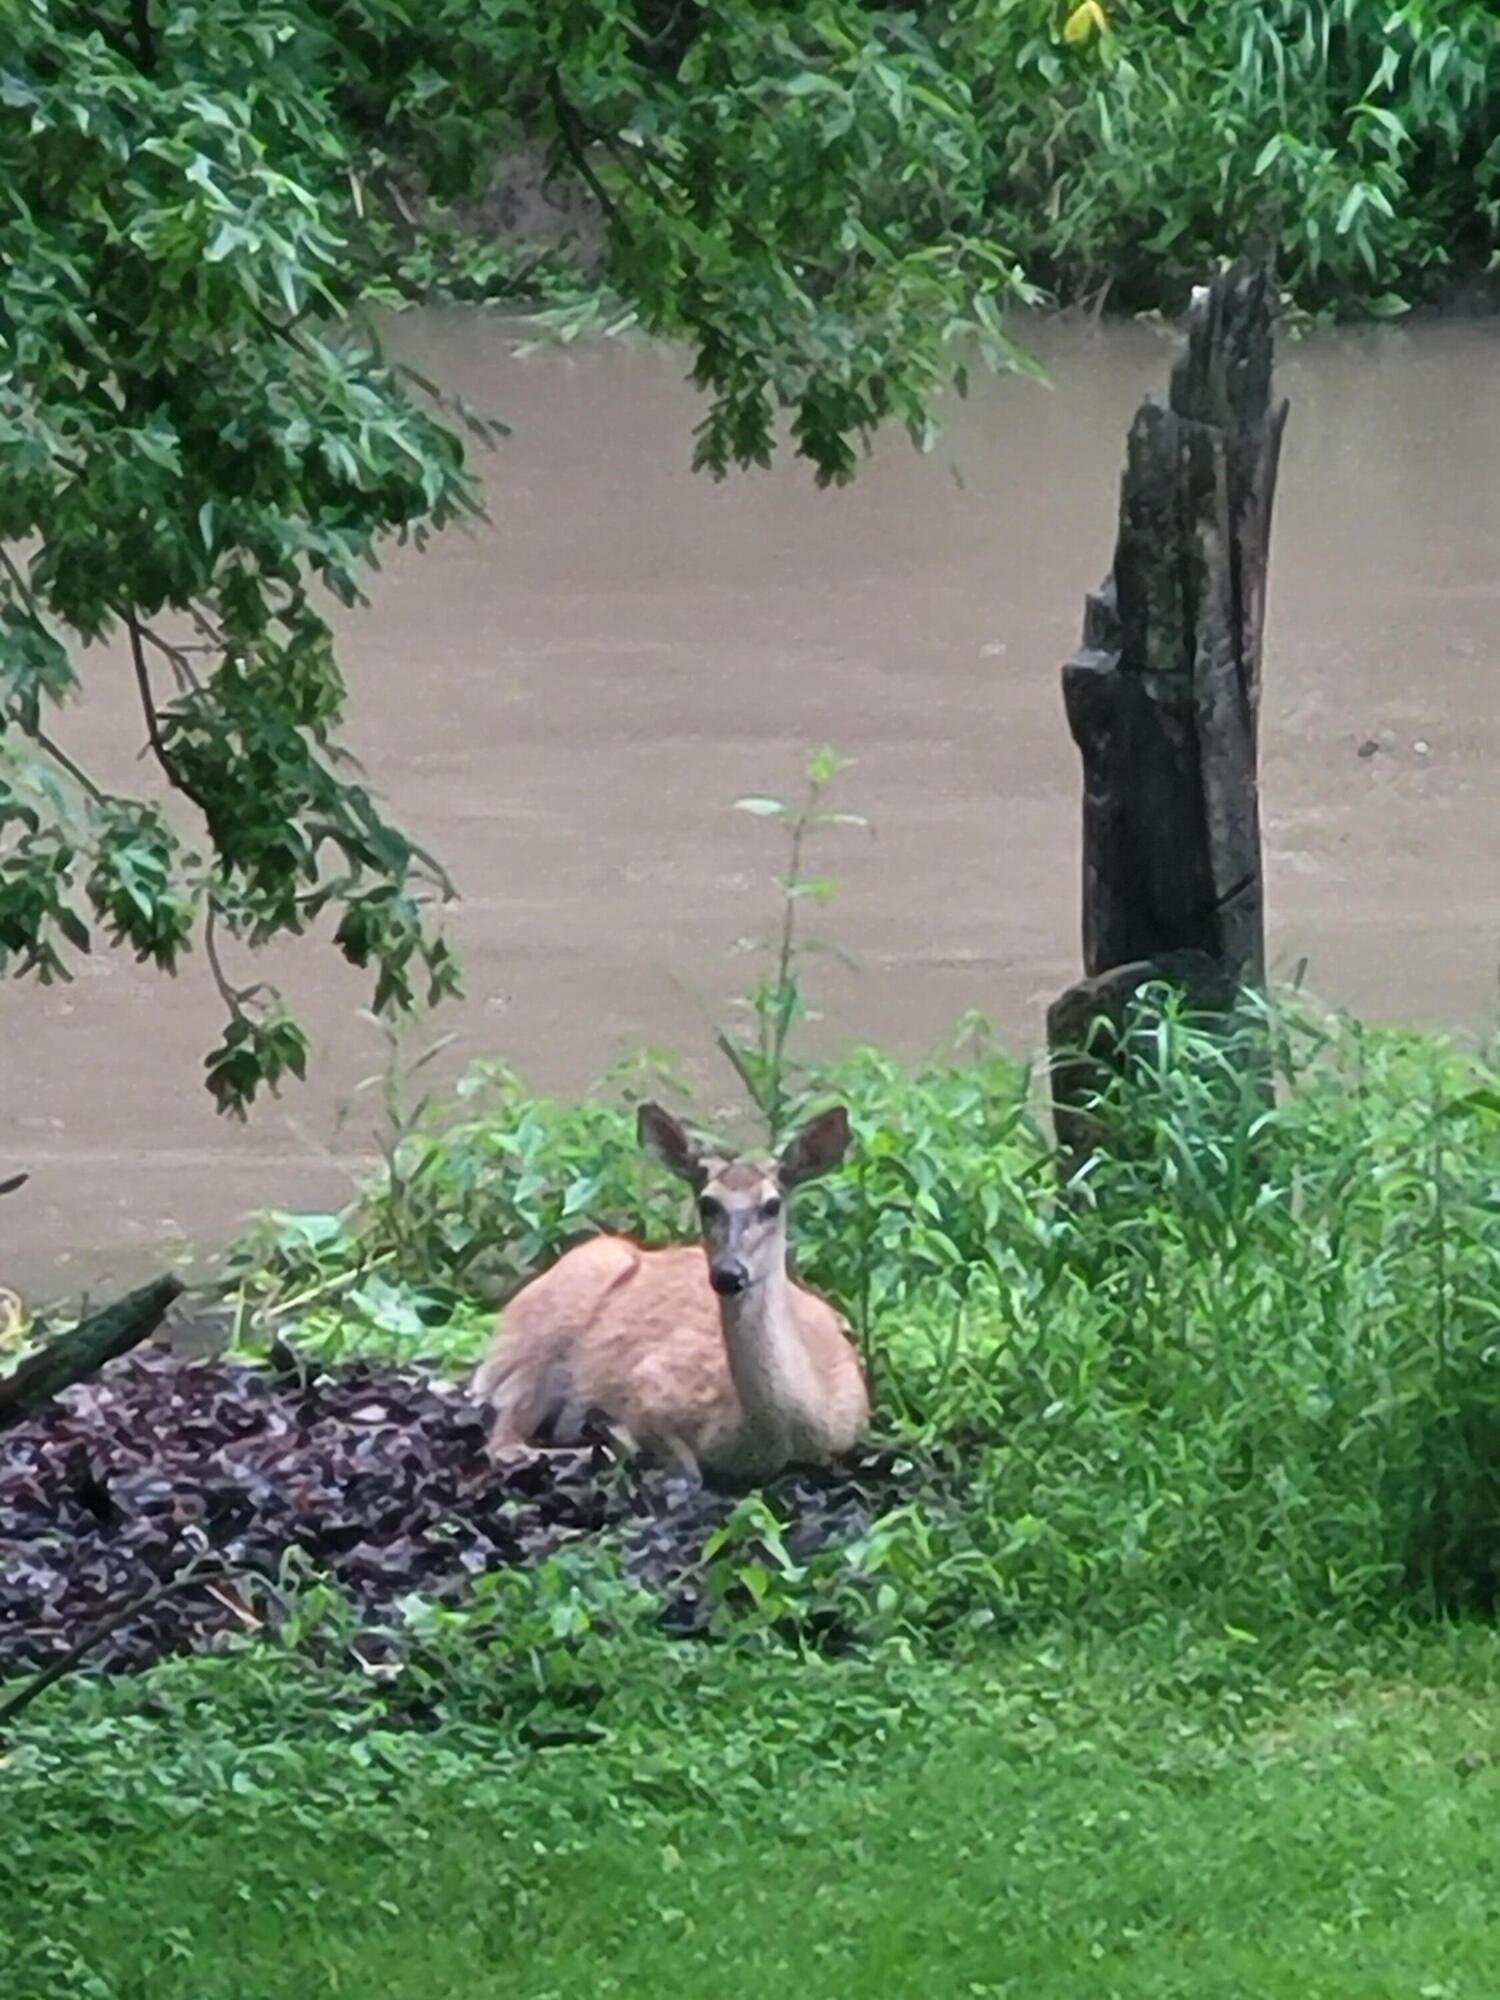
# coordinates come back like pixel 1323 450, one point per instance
pixel 1264 1367
pixel 494 1184
pixel 1137 144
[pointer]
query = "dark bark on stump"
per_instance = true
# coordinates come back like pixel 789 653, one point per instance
pixel 1163 697
pixel 83 1351
pixel 1085 1026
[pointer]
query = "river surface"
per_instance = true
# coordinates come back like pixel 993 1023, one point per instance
pixel 565 702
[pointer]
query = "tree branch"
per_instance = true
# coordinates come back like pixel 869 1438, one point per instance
pixel 19 581
pixel 148 700
pixel 120 1613
pixel 446 886
pixel 235 998
pixel 74 770
pixel 154 736
pixel 176 657
pixel 213 639
pixel 100 1338
pixel 574 135
pixel 145 37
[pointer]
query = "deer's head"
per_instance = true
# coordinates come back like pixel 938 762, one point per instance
pixel 742 1200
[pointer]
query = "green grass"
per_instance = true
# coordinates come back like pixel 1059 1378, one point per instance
pixel 1156 1819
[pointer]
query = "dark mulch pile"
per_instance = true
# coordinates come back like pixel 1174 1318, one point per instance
pixel 376 1473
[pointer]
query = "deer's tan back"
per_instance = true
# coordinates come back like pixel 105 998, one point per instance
pixel 636 1334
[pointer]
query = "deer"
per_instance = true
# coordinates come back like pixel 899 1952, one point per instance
pixel 708 1357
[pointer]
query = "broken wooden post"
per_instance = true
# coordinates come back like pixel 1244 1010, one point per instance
pixel 85 1349
pixel 1163 700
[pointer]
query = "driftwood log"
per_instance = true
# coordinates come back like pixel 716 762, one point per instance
pixel 1163 701
pixel 85 1348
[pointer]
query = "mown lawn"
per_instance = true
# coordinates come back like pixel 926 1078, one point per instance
pixel 1049 1825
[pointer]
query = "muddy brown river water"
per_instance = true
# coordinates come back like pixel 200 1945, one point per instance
pixel 565 703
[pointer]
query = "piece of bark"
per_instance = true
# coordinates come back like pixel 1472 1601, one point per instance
pixel 85 1349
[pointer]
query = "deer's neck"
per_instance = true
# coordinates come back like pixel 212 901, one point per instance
pixel 769 1365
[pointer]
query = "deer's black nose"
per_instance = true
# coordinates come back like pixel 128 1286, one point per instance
pixel 728 1279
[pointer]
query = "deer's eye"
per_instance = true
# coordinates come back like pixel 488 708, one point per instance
pixel 708 1209
pixel 769 1210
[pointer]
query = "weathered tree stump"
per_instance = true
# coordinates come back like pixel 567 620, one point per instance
pixel 1163 699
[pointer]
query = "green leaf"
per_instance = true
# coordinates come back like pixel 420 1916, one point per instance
pixel 34 666
pixel 1485 1099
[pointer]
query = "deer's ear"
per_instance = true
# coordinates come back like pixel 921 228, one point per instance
pixel 666 1140
pixel 820 1145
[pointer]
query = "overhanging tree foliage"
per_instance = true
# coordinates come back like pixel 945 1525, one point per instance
pixel 200 437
